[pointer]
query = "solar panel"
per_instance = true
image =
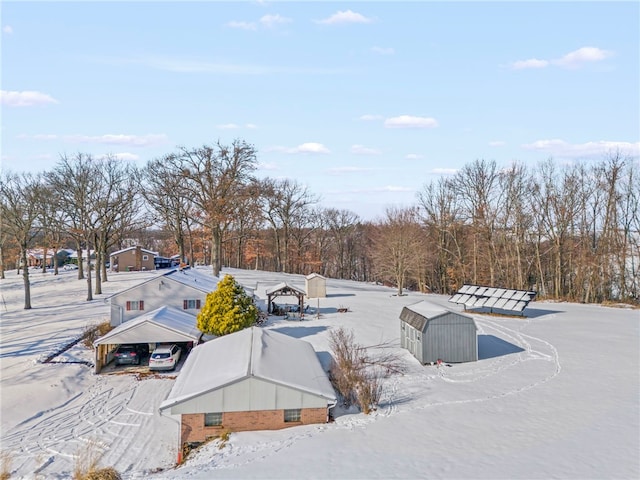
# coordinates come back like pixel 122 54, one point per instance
pixel 478 296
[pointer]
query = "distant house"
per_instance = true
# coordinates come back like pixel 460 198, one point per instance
pixel 162 325
pixel 431 333
pixel 254 379
pixel 133 259
pixel 185 289
pixel 315 285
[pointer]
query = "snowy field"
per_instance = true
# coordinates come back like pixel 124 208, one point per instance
pixel 554 395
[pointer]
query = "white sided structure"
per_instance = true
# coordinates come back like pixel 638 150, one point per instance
pixel 184 289
pixel 492 298
pixel 254 379
pixel 315 285
pixel 163 325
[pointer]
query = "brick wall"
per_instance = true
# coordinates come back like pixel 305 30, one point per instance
pixel 194 430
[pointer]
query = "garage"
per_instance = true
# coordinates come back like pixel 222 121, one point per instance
pixel 163 325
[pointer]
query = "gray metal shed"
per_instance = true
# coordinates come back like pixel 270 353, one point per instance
pixel 431 333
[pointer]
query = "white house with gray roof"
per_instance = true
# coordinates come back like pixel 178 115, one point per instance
pixel 184 289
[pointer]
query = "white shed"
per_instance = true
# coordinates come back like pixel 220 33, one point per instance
pixel 315 285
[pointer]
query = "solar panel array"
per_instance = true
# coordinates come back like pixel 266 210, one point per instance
pixel 476 296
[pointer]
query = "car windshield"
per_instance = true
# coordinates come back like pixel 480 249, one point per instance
pixel 161 355
pixel 125 349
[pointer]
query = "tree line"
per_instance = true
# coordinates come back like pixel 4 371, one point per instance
pixel 567 231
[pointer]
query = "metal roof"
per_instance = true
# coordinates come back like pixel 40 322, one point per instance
pixel 252 352
pixel 163 325
pixel 284 288
pixel 418 315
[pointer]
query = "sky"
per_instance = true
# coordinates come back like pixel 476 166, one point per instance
pixel 364 103
pixel 554 394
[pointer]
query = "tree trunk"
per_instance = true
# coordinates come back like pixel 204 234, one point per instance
pixel 25 278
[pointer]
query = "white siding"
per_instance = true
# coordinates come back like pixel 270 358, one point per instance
pixel 250 394
pixel 155 294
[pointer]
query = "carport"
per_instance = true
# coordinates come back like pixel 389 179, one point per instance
pixel 163 325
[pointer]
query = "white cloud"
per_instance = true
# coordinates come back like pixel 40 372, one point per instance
pixel 27 98
pixel 132 140
pixel 574 59
pixel 444 171
pixel 227 126
pixel 362 150
pixel 393 188
pixel 267 166
pixel 565 149
pixel 251 125
pixel 497 143
pixel 270 21
pixel 242 25
pixel 410 121
pixel 413 156
pixel 347 16
pixel 383 51
pixel 583 55
pixel 45 136
pixel 7 29
pixel 531 63
pixel 368 118
pixel 126 156
pixel 310 147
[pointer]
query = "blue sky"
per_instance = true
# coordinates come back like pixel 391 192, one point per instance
pixel 362 102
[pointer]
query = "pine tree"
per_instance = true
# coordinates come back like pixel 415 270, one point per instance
pixel 227 309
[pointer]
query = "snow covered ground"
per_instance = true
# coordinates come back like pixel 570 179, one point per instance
pixel 554 395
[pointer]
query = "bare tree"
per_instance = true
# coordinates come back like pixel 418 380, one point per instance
pixel 213 177
pixel 19 200
pixel 286 202
pixel 398 245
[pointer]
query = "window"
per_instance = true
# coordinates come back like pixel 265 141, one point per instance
pixel 145 258
pixel 190 304
pixel 135 305
pixel 213 419
pixel 293 415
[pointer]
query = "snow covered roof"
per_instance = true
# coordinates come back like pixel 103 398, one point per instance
pixel 419 314
pixel 314 275
pixel 133 248
pixel 283 286
pixel 252 352
pixel 186 276
pixel 165 324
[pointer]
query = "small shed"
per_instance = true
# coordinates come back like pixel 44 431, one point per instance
pixel 431 333
pixel 284 290
pixel 163 325
pixel 315 285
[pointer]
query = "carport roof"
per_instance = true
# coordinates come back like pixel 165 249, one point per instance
pixel 163 325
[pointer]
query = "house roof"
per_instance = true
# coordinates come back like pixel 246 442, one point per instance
pixel 163 325
pixel 252 352
pixel 284 288
pixel 419 314
pixel 186 276
pixel 133 248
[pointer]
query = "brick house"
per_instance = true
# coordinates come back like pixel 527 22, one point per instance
pixel 254 379
pixel 132 259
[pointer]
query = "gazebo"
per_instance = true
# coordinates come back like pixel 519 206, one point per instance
pixel 284 290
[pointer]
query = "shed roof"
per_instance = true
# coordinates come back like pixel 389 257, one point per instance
pixel 165 324
pixel 419 314
pixel 314 275
pixel 252 352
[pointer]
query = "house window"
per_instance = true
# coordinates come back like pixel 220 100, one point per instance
pixel 190 304
pixel 135 305
pixel 145 258
pixel 213 419
pixel 293 415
